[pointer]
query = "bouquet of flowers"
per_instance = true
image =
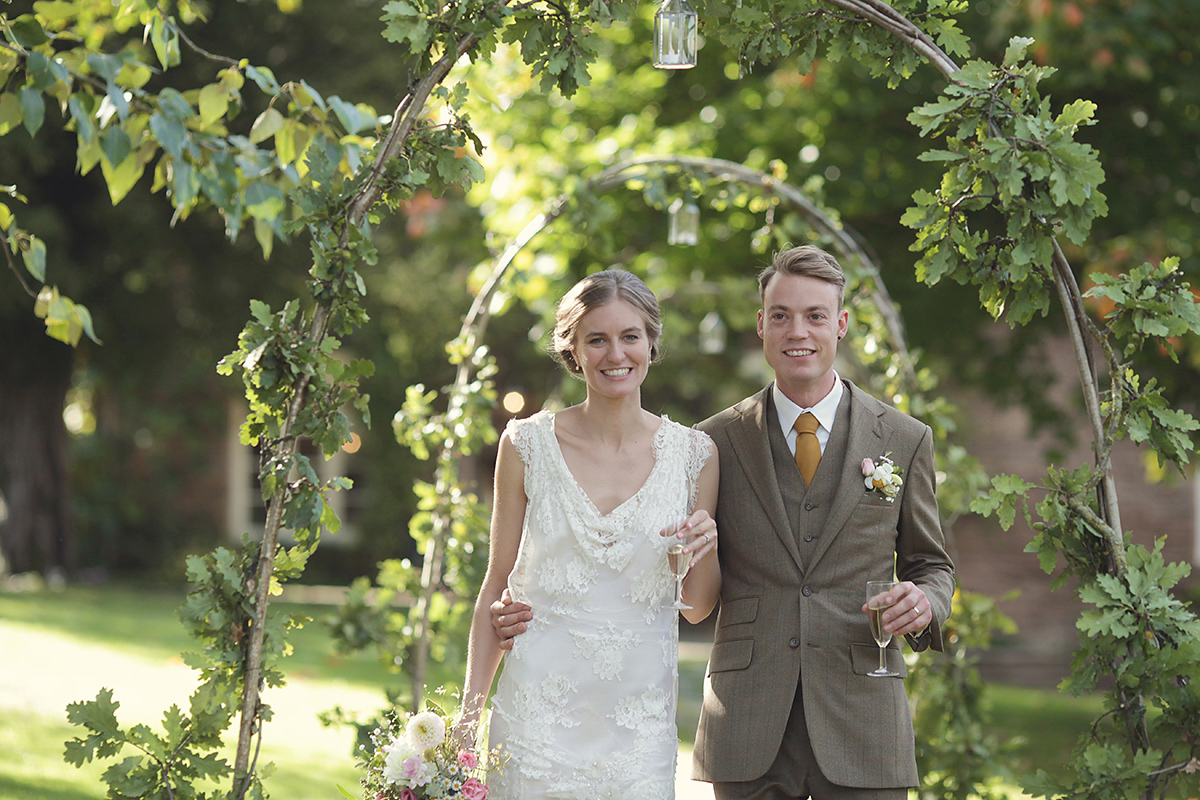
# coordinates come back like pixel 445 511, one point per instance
pixel 412 758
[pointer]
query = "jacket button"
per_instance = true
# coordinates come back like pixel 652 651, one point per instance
pixel 808 537
pixel 793 643
pixel 806 591
pixel 809 506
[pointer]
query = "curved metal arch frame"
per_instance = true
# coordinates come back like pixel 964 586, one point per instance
pixel 847 244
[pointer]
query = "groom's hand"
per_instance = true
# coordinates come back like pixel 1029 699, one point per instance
pixel 910 612
pixel 509 618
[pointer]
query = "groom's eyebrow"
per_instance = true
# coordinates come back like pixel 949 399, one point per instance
pixel 803 309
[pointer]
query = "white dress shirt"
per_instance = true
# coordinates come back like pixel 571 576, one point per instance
pixel 825 410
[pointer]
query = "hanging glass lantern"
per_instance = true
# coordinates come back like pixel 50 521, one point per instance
pixel 675 35
pixel 684 226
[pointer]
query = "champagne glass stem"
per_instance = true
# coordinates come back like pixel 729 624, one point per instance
pixel 882 664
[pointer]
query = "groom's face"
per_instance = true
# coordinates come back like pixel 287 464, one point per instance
pixel 800 324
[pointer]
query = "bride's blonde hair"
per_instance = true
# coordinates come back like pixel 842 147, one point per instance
pixel 592 292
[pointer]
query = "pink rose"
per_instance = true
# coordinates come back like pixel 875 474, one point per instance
pixel 467 759
pixel 472 789
pixel 407 794
pixel 417 770
pixel 868 467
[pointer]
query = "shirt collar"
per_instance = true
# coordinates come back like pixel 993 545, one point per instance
pixel 825 410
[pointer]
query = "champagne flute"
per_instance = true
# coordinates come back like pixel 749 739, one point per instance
pixel 679 562
pixel 876 604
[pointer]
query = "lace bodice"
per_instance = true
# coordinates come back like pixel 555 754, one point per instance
pixel 586 701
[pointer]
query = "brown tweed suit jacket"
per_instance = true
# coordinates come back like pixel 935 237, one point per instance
pixel 793 582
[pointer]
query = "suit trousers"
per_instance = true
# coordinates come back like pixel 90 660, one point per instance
pixel 795 774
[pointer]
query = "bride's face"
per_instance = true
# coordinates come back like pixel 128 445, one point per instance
pixel 612 348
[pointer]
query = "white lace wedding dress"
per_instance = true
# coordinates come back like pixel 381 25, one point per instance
pixel 585 706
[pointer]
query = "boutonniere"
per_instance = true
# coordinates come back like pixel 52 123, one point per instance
pixel 882 476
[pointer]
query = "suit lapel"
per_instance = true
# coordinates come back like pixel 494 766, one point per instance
pixel 748 437
pixel 868 435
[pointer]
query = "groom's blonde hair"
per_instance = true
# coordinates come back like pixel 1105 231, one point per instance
pixel 807 261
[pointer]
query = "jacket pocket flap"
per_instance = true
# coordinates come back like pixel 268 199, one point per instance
pixel 730 654
pixel 865 658
pixel 735 612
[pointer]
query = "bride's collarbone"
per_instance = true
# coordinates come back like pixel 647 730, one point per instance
pixel 608 476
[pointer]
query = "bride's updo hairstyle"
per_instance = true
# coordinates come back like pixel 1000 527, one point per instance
pixel 592 292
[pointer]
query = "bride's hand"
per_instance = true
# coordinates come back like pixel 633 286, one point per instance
pixel 465 727
pixel 698 533
pixel 509 618
pixel 463 735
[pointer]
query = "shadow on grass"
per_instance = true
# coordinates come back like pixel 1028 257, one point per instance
pixel 32 765
pixel 44 789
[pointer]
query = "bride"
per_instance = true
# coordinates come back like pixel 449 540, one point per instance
pixel 586 501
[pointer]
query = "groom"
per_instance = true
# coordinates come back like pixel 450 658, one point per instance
pixel 790 711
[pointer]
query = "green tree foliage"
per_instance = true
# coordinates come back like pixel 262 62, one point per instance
pixel 1133 67
pixel 169 297
pixel 957 754
pixel 1013 157
pixel 1008 150
pixel 1138 639
pixel 295 383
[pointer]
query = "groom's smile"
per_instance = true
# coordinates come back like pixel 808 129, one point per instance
pixel 800 324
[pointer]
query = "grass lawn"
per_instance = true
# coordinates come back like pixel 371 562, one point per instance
pixel 143 621
pixel 1044 725
pixel 139 623
pixel 32 767
pixel 691 687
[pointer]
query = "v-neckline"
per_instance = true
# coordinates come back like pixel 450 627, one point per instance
pixel 655 447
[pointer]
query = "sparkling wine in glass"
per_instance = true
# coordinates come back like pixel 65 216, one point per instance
pixel 679 562
pixel 876 604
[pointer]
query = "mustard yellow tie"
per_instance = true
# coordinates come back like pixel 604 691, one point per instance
pixel 808 449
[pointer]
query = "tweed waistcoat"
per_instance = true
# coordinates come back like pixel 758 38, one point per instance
pixel 808 506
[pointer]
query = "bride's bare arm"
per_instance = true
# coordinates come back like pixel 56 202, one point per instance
pixel 702 586
pixel 484 648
